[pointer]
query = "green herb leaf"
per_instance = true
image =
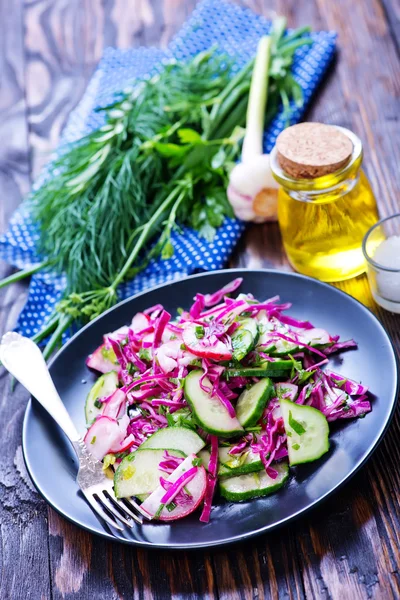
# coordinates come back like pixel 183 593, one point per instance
pixel 167 251
pixel 189 136
pixel 144 354
pixel 296 425
pixel 168 149
pixel 199 331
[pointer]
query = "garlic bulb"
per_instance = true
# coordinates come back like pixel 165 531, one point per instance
pixel 252 191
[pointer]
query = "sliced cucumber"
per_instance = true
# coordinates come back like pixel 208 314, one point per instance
pixel 274 368
pixel 209 412
pixel 280 347
pixel 252 485
pixel 316 338
pixel 230 465
pixel 252 402
pixel 205 457
pixel 307 432
pixel 181 438
pixel 244 338
pixel 142 497
pixel 139 473
pixel 104 386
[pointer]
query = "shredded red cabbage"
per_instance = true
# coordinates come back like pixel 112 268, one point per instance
pixel 211 299
pixel 155 354
pixel 348 385
pixel 211 480
pixel 177 485
pixel 153 309
pixel 160 325
pixel 169 464
pixel 350 344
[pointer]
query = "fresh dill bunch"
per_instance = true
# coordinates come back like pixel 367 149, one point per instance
pixel 161 159
pixel 108 184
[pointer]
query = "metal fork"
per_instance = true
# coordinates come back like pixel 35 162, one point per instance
pixel 24 360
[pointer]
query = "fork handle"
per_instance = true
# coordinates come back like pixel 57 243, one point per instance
pixel 23 359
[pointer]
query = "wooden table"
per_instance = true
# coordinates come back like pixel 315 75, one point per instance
pixel 349 547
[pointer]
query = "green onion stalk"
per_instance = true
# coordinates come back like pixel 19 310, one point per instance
pixel 161 159
pixel 252 190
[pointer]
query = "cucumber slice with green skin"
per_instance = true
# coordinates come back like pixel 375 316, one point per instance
pixel 139 473
pixel 103 387
pixel 142 497
pixel 253 485
pixel 209 412
pixel 276 368
pixel 281 348
pixel 316 338
pixel 251 402
pixel 230 465
pixel 307 432
pixel 181 438
pixel 205 457
pixel 244 338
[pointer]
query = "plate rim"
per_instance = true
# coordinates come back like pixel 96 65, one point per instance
pixel 265 528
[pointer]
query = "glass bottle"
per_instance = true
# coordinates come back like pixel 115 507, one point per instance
pixel 323 220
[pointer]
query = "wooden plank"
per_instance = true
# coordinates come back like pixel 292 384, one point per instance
pixel 349 547
pixel 22 514
pixel 263 568
pixel 392 14
pixel 64 41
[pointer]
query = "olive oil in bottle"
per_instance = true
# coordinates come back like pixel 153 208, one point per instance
pixel 325 203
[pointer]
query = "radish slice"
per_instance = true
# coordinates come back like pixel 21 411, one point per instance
pixel 315 337
pixel 148 340
pixel 139 322
pixel 196 487
pixel 118 334
pixel 103 359
pixel 285 390
pixel 115 405
pixel 167 355
pixel 105 434
pixel 199 347
pixel 126 444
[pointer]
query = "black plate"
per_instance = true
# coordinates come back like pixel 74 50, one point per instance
pixel 52 465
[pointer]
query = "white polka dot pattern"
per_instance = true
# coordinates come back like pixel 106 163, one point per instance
pixel 236 32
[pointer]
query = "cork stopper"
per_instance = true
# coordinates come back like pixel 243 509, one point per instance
pixel 310 150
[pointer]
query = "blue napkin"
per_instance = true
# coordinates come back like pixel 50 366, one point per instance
pixel 236 31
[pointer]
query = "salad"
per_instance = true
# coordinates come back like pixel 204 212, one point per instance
pixel 226 395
